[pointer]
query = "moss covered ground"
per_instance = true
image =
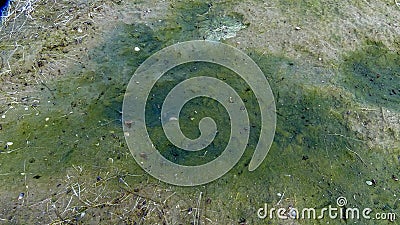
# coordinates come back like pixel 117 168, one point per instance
pixel 333 67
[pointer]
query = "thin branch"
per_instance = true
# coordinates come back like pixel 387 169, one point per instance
pixel 341 135
pixel 357 156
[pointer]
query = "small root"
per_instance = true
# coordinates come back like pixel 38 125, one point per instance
pixel 366 165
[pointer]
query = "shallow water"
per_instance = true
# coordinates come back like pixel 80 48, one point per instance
pixel 337 131
pixel 3 8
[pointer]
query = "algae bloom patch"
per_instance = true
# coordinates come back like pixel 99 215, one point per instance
pixel 146 76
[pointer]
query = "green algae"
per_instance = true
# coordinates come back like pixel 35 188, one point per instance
pixel 197 109
pixel 372 74
pixel 309 161
pixel 314 147
pixel 196 20
pixel 77 120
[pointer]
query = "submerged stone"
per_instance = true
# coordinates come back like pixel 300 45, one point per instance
pixel 3 8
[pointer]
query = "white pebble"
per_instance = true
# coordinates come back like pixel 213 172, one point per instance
pixel 21 196
pixel 137 49
pixel 292 213
pixel 47 119
pixel 9 143
pixel 369 183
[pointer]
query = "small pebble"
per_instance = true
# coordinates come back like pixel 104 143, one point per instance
pixel 292 213
pixel 137 49
pixel 9 143
pixel 128 123
pixel 297 28
pixel 143 155
pixel 21 195
pixel 369 183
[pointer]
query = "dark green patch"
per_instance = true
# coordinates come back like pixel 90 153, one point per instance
pixel 195 110
pixel 312 158
pixel 309 161
pixel 372 74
